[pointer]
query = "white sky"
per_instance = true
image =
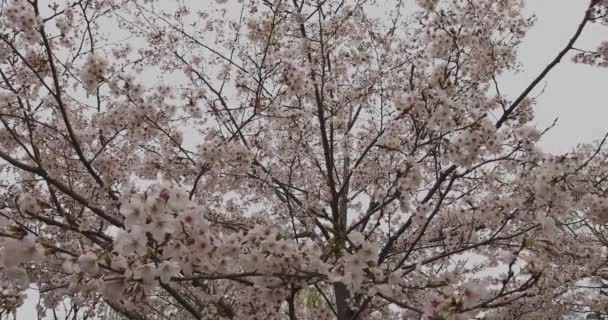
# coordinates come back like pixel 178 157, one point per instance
pixel 577 94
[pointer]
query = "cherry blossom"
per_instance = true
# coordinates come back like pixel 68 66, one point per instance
pixel 290 160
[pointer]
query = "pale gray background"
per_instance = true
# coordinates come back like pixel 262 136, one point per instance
pixel 577 94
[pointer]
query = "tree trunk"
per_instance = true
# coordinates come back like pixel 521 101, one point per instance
pixel 342 299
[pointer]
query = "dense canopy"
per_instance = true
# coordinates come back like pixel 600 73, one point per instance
pixel 290 159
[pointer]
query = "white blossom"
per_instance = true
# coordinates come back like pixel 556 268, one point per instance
pixel 93 71
pixel 168 269
pixel 88 263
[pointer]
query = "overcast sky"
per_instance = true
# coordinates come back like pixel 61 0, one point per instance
pixel 577 94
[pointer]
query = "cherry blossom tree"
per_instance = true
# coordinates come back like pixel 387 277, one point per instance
pixel 290 159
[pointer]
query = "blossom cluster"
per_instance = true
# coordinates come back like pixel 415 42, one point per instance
pixel 22 16
pixel 442 117
pixel 65 23
pixel 296 79
pixel 408 183
pixel 166 237
pixel 354 265
pixel 598 208
pixel 467 145
pixel 598 58
pixel 93 70
pixel 427 5
pixel 15 253
pixel 452 303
